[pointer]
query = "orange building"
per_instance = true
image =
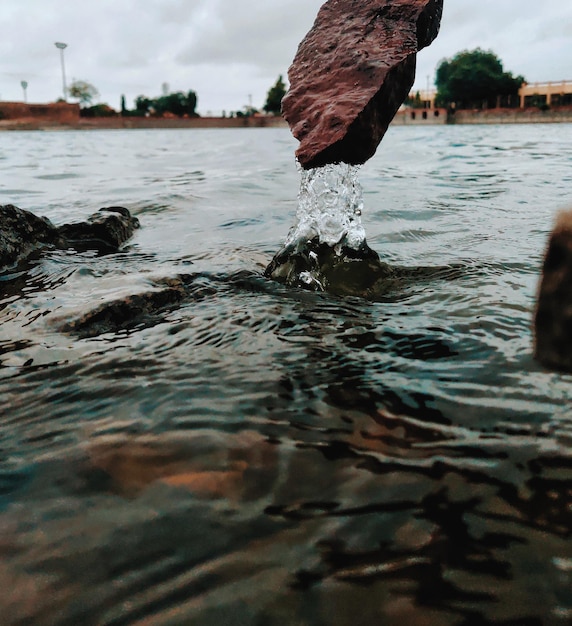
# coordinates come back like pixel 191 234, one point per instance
pixel 553 94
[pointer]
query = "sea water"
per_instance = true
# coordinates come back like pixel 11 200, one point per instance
pixel 264 454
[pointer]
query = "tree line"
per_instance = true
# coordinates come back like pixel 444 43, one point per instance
pixel 177 103
pixel 470 79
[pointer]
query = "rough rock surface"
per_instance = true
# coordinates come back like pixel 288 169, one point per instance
pixel 107 229
pixel 553 317
pixel 345 271
pixel 22 233
pixel 352 72
pixel 140 310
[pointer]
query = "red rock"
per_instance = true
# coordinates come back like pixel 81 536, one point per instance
pixel 553 317
pixel 352 72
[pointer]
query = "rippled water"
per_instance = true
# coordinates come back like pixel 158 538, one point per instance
pixel 254 454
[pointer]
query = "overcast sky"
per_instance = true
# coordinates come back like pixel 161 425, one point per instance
pixel 229 51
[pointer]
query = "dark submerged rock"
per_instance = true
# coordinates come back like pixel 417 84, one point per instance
pixel 345 271
pixel 319 267
pixel 352 72
pixel 140 310
pixel 553 315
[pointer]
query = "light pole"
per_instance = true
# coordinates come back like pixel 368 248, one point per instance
pixel 61 47
pixel 24 84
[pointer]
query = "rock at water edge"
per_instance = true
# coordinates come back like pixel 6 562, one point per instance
pixel 553 316
pixel 21 233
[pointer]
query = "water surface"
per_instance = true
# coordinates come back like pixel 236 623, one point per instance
pixel 255 454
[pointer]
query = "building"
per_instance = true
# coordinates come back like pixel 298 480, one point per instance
pixel 552 94
pixel 420 117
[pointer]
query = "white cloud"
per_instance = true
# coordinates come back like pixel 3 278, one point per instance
pixel 225 50
pixel 531 38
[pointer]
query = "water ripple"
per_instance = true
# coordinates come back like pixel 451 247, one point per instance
pixel 246 451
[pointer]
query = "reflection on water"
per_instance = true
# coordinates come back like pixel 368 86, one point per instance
pixel 185 441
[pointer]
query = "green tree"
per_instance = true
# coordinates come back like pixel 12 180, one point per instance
pixel 474 78
pixel 177 103
pixel 274 97
pixel 143 105
pixel 82 90
pixel 192 101
pixel 98 110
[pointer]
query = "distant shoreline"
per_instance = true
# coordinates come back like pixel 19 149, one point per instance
pixel 119 123
pixel 441 116
pixel 407 117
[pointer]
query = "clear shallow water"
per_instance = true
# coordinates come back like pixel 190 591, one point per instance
pixel 261 455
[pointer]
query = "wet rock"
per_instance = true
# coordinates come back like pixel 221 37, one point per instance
pixel 105 230
pixel 140 310
pixel 352 72
pixel 319 267
pixel 346 271
pixel 22 232
pixel 553 316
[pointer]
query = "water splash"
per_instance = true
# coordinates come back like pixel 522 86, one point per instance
pixel 326 248
pixel 330 205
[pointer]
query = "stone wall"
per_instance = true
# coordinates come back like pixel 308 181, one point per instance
pixel 420 117
pixel 55 113
pixel 16 116
pixel 176 122
pixel 512 116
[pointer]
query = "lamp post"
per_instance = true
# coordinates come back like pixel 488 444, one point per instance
pixel 61 47
pixel 24 84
